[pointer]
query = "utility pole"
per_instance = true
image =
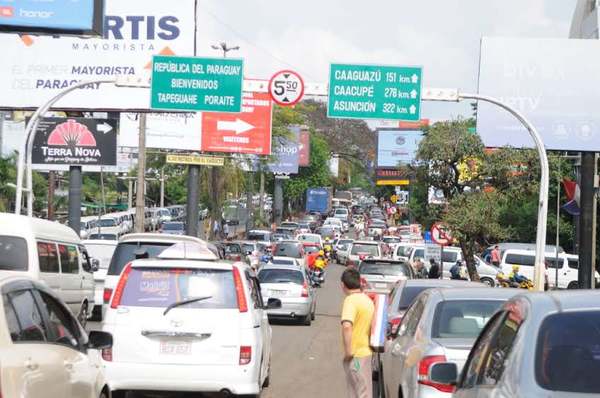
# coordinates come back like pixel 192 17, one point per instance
pixel 250 201
pixel 102 191
pixel 278 201
pixel 129 193
pixel 261 200
pixel 75 198
pixel 162 187
pixel 51 186
pixel 192 200
pixel 139 197
pixel 587 221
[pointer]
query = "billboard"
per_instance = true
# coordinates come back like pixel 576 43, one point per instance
pixel 304 146
pixel 76 142
pixel 552 82
pixel 163 130
pixel 65 17
pixel 286 153
pixel 34 69
pixel 397 147
pixel 246 132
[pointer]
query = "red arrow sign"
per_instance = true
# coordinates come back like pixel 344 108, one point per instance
pixel 245 132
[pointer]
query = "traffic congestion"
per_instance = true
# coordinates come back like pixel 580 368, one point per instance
pixel 312 199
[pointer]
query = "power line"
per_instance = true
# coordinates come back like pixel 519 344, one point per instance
pixel 241 36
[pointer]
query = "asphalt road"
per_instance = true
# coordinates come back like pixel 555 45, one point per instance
pixel 307 360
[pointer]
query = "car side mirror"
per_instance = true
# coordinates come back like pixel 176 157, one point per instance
pixel 95 264
pixel 273 304
pixel 444 373
pixel 98 340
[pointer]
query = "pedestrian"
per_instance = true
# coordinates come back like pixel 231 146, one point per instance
pixel 421 271
pixel 434 269
pixel 226 230
pixel 496 256
pixel 216 228
pixel 357 315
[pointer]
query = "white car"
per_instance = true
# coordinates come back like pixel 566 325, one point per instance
pixel 44 350
pixel 101 250
pixel 186 322
pixel 334 222
pixel 108 225
pixel 313 238
pixel 362 249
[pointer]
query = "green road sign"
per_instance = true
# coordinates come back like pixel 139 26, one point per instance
pixel 374 92
pixel 197 84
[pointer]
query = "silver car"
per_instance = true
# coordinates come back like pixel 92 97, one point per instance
pixel 291 284
pixel 380 276
pixel 537 345
pixel 441 326
pixel 359 250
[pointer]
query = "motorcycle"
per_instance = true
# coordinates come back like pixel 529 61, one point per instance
pixel 318 277
pixel 504 281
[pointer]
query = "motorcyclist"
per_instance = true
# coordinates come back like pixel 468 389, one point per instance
pixel 327 246
pixel 320 262
pixel 514 276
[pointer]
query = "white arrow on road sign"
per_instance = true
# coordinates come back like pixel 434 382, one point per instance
pixel 415 78
pixel 239 126
pixel 413 94
pixel 104 127
pixel 412 109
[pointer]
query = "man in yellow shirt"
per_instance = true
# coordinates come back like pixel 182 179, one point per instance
pixel 357 315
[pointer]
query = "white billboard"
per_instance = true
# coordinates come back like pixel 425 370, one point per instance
pixel 35 68
pixel 163 130
pixel 554 82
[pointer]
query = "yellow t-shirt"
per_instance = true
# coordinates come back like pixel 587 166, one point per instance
pixel 358 308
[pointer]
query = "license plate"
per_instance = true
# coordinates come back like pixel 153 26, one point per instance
pixel 175 348
pixel 381 285
pixel 278 293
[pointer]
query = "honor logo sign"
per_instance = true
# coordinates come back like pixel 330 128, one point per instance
pixel 35 14
pixel 7 12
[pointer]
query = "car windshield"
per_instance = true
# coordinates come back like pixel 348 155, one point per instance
pixel 108 222
pixel 384 269
pixel 462 318
pixel 280 276
pixel 408 295
pixel 248 247
pixel 125 253
pixel 403 251
pixel 13 253
pixel 568 352
pixel 288 250
pixel 258 236
pixel 371 250
pixel 311 249
pixel 391 239
pixel 103 253
pixel 344 242
pixel 103 236
pixel 309 238
pixel 173 226
pixel 161 287
pixel 282 261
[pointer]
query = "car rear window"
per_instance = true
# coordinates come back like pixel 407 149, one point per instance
pixel 125 253
pixel 449 256
pixel 288 250
pixel 568 352
pixel 408 295
pixel 13 253
pixel 462 318
pixel 161 287
pixel 391 240
pixel 520 259
pixel 371 250
pixel 385 269
pixel 258 236
pixel 172 226
pixel 102 253
pixel 109 222
pixel 280 276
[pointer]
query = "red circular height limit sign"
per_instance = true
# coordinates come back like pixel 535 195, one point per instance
pixel 286 87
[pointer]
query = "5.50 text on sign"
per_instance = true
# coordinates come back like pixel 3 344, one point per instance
pixel 374 92
pixel 197 84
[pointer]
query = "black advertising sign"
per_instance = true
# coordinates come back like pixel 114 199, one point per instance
pixel 76 141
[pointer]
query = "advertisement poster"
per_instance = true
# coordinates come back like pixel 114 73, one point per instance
pixel 286 152
pixel 163 130
pixel 36 68
pixel 304 146
pixel 397 147
pixel 76 141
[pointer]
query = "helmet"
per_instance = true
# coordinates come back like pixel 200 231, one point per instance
pixel 327 239
pixel 515 268
pixel 321 253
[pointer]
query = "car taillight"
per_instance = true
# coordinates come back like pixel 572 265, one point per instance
pixel 423 377
pixel 395 323
pixel 118 294
pixel 106 295
pixel 305 289
pixel 239 290
pixel 245 354
pixel 106 354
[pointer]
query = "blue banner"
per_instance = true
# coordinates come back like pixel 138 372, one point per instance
pixel 286 153
pixel 48 14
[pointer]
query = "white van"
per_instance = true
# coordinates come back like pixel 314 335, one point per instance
pixel 52 253
pixel 101 250
pixel 109 224
pixel 525 259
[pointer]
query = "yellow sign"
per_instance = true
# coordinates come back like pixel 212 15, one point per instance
pixel 195 159
pixel 393 182
pixel 394 198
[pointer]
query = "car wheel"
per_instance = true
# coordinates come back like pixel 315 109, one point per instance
pixel 307 320
pixel 573 285
pixel 82 317
pixel 487 281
